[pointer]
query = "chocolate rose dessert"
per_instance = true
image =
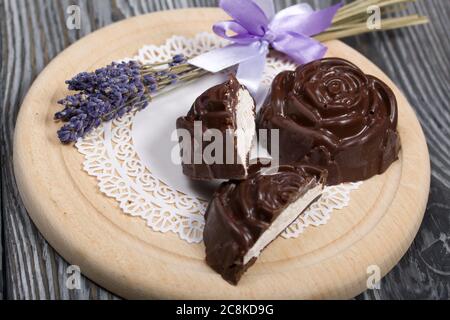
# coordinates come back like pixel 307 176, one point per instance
pixel 227 109
pixel 329 113
pixel 245 216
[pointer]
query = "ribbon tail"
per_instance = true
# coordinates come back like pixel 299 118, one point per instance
pixel 223 58
pixel 250 72
pixel 302 49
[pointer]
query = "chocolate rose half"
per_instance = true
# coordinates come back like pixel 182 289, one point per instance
pixel 245 216
pixel 329 113
pixel 216 135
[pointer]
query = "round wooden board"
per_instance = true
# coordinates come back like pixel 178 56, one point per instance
pixel 123 255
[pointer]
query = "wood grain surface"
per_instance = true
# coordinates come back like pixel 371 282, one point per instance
pixel 416 59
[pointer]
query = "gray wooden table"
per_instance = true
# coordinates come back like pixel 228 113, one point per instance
pixel 32 32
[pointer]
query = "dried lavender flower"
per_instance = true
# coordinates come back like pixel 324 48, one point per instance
pixel 115 90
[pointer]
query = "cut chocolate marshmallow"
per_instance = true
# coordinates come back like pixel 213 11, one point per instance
pixel 220 127
pixel 244 217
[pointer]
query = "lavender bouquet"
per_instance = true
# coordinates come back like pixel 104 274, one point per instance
pixel 115 90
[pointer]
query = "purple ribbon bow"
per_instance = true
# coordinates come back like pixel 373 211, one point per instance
pixel 256 28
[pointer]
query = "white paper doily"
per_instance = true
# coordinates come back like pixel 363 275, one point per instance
pixel 129 156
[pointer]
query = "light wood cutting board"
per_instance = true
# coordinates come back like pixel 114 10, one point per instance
pixel 123 255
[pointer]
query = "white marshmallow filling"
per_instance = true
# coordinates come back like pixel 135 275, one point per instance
pixel 283 221
pixel 246 127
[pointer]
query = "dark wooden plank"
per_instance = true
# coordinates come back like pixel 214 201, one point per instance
pixel 2 91
pixel 417 59
pixel 33 32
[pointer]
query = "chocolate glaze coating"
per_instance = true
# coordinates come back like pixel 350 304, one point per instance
pixel 216 108
pixel 241 211
pixel 331 114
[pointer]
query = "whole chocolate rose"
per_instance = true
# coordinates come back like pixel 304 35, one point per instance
pixel 329 113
